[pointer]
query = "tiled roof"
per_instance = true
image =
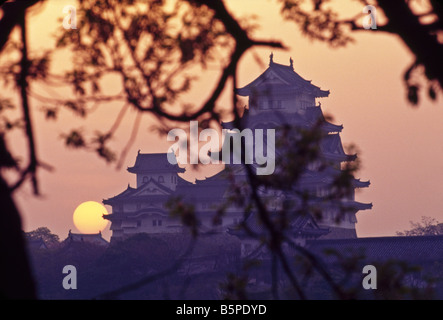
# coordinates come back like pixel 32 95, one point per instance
pixel 123 195
pixel 84 237
pixel 327 177
pixel 308 119
pixel 300 225
pixel 132 193
pixel 286 79
pixel 34 244
pixel 315 114
pixel 211 188
pixel 357 183
pixel 154 162
pixel 331 146
pixel 355 205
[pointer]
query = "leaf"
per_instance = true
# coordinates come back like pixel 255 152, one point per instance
pixel 413 94
pixel 187 50
pixel 432 93
pixel 51 113
pixel 76 108
pixel 106 153
pixel 74 139
pixel 6 104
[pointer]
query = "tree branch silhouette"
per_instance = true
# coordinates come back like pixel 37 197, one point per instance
pixel 150 89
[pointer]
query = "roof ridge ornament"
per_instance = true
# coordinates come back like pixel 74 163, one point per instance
pixel 291 63
pixel 271 59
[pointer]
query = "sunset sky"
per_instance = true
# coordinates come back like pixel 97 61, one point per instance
pixel 401 147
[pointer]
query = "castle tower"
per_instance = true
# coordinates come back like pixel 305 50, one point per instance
pixel 142 209
pixel 280 96
pixel 155 166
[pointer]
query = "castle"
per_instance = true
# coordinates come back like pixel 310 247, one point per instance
pixel 278 97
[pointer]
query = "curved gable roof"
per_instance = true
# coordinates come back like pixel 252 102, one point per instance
pixel 144 190
pixel 154 162
pixel 281 76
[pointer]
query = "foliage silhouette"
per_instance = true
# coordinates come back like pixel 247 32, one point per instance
pixel 154 76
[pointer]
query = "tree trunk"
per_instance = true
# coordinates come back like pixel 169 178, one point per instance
pixel 16 280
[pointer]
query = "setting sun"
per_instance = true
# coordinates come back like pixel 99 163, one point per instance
pixel 88 217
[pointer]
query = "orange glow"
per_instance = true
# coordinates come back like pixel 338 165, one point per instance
pixel 401 147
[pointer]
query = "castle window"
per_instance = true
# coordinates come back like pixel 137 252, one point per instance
pixel 139 223
pixel 160 222
pixel 304 104
pixel 154 223
pixel 261 104
pixel 275 104
pixel 161 179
